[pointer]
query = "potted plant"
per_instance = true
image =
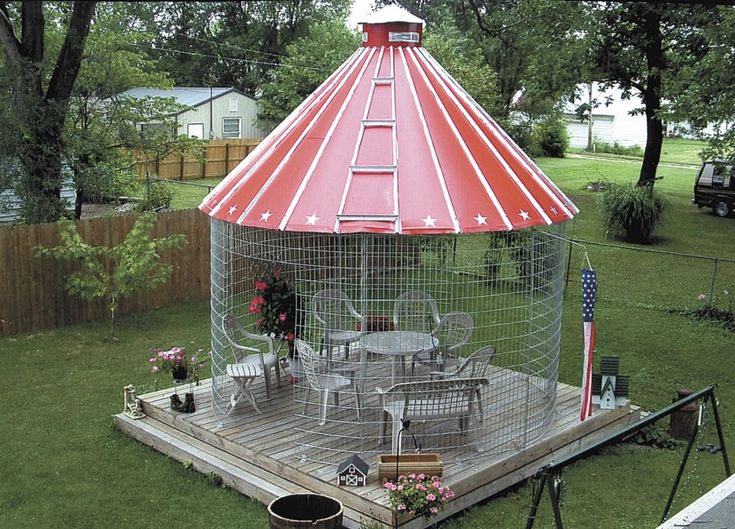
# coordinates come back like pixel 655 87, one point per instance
pixel 275 307
pixel 418 494
pixel 183 369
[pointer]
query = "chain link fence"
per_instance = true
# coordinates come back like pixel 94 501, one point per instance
pixel 652 278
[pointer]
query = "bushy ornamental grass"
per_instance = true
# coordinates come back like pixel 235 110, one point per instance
pixel 631 212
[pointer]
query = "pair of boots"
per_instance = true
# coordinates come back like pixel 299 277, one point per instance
pixel 184 407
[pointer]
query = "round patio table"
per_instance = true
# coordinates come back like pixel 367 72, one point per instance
pixel 398 344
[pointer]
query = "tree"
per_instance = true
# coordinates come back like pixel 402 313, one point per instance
pixel 642 47
pixel 114 272
pixel 101 126
pixel 308 62
pixel 235 43
pixel 41 104
pixel 706 85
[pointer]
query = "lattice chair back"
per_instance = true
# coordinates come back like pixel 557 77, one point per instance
pixel 333 309
pixel 454 331
pixel 416 311
pixel 309 363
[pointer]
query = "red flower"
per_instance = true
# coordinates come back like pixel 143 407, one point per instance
pixel 290 336
pixel 282 316
pixel 256 304
pixel 277 274
pixel 260 285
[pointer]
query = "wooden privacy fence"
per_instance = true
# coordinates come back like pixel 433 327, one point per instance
pixel 32 295
pixel 220 157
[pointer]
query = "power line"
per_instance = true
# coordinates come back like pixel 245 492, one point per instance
pixel 236 59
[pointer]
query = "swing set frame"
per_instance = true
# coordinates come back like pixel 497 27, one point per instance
pixel 549 475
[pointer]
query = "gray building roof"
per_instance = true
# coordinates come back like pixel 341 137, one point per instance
pixel 190 96
pixel 714 510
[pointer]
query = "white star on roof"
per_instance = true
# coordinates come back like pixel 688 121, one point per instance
pixel 481 220
pixel 554 210
pixel 311 219
pixel 265 215
pixel 231 210
pixel 524 215
pixel 429 221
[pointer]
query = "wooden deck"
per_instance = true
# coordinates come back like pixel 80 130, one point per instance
pixel 259 456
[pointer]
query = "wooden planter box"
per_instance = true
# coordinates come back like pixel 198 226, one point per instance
pixel 430 464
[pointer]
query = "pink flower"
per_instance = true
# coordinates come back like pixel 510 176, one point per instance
pixel 153 359
pixel 430 497
pixel 282 316
pixel 194 359
pixel 201 366
pixel 420 487
pixel 399 487
pixel 277 274
pixel 401 507
pixel 421 477
pixel 390 485
pixel 434 510
pixel 260 285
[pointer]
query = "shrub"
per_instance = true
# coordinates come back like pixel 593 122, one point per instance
pixel 616 148
pixel 158 196
pixel 631 212
pixel 550 137
pixel 108 181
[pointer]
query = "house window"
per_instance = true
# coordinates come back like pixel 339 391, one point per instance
pixel 231 127
pixel 195 130
pixel 233 104
pixel 403 36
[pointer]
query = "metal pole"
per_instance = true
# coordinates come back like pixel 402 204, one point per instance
pixel 720 434
pixel 679 473
pixel 536 501
pixel 712 281
pixel 554 495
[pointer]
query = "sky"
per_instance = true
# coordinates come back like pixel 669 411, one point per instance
pixel 360 8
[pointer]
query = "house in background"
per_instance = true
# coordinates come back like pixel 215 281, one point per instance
pixel 611 118
pixel 211 113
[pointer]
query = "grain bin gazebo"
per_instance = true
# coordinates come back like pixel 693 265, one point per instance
pixel 388 183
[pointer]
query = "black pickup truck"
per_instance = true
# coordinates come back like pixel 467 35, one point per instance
pixel 715 187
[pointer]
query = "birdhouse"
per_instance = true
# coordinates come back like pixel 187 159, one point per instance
pixel 610 389
pixel 352 472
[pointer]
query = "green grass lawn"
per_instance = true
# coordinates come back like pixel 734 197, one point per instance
pixel 64 465
pixel 674 150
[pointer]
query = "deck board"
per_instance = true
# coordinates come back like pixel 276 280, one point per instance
pixel 260 455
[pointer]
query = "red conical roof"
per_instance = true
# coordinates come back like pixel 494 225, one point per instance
pixel 389 143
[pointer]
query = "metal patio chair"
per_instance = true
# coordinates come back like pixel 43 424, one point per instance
pixel 474 366
pixel 320 378
pixel 453 332
pixel 251 362
pixel 333 310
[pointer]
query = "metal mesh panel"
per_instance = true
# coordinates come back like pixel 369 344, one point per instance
pixel 388 322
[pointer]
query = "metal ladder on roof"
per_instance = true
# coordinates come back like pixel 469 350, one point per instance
pixel 356 170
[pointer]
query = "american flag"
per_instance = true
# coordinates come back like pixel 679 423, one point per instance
pixel 589 289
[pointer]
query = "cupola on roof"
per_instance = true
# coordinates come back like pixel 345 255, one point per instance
pixel 389 143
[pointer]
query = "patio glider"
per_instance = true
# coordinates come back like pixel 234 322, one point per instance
pixel 436 400
pixel 452 333
pixel 327 381
pixel 334 311
pixel 251 362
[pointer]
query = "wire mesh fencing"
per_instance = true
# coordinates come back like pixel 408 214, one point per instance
pixel 459 335
pixel 653 278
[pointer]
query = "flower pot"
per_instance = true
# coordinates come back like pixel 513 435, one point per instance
pixel 390 466
pixel 180 374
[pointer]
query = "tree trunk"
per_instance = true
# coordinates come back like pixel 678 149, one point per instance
pixel 652 97
pixel 42 163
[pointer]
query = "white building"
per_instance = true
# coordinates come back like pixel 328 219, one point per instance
pixel 611 118
pixel 212 113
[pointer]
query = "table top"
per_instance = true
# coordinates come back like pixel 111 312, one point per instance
pixel 398 342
